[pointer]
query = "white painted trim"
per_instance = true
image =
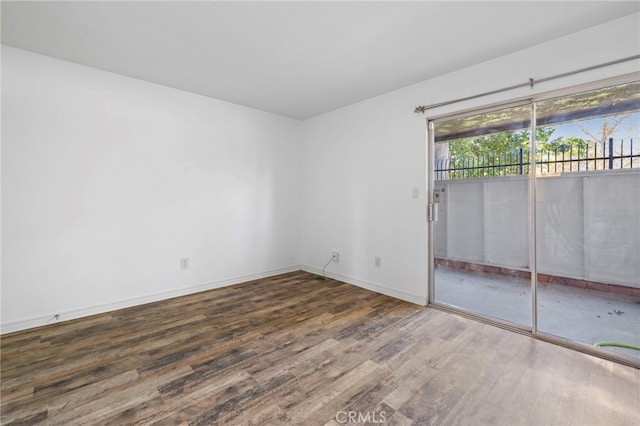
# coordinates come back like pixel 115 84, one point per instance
pixel 378 288
pixel 108 307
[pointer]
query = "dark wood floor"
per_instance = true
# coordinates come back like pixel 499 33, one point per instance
pixel 296 350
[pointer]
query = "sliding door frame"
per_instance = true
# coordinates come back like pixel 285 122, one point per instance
pixel 532 329
pixel 431 122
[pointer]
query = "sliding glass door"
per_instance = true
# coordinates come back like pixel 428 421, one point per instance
pixel 481 213
pixel 535 216
pixel 588 218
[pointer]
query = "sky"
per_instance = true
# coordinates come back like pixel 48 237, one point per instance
pixel 628 129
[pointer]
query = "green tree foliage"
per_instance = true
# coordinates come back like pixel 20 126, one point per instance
pixel 499 143
pixel 558 145
pixel 481 156
pixel 507 153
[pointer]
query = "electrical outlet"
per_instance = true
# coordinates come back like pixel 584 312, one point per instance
pixel 335 256
pixel 184 263
pixel 377 261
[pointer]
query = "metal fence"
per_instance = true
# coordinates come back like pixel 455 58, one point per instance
pixel 610 155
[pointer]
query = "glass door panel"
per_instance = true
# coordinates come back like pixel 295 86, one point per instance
pixel 588 218
pixel 481 228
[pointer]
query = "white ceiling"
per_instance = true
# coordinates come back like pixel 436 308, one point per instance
pixel 298 59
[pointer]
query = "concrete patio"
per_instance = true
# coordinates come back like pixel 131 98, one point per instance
pixel 584 316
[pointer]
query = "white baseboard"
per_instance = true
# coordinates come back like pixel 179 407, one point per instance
pixel 108 307
pixel 398 294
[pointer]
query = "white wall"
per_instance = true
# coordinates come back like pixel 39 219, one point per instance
pixel 359 171
pixel 484 221
pixel 588 224
pixel 108 181
pixel 361 162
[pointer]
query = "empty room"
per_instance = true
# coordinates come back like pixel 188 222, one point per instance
pixel 320 213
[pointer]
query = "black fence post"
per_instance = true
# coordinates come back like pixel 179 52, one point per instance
pixel 610 153
pixel 521 160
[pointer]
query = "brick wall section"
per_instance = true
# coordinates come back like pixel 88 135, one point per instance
pixel 542 278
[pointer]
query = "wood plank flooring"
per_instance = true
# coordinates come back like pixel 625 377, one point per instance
pixel 296 350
